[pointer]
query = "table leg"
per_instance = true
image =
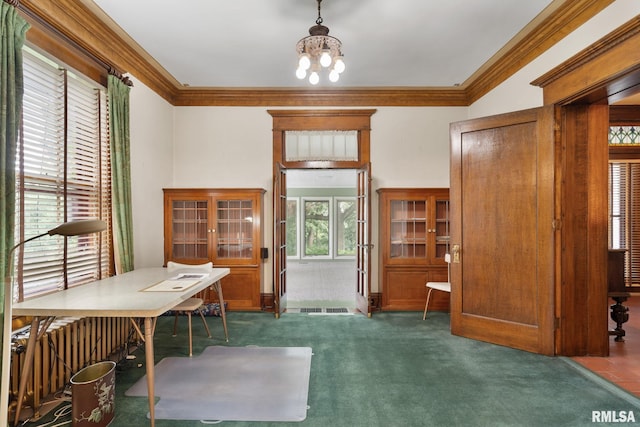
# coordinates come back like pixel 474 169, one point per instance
pixel 149 358
pixel 218 288
pixel 34 334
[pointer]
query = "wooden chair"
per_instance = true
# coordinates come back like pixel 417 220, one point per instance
pixel 189 305
pixel 438 286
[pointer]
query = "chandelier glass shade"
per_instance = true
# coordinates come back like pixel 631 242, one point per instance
pixel 319 51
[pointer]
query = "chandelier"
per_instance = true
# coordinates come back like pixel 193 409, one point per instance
pixel 319 51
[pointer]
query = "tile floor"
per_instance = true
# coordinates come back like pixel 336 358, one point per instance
pixel 622 367
pixel 321 284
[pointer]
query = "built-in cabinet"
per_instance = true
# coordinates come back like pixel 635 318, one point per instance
pixel 223 226
pixel 414 238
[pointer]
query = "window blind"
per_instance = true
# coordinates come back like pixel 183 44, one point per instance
pixel 624 215
pixel 63 175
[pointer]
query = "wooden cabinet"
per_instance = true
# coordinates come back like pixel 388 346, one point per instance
pixel 414 237
pixel 223 226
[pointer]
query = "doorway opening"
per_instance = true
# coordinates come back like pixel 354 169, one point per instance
pixel 321 240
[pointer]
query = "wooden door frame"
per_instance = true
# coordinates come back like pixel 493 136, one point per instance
pixel 583 87
pixel 325 119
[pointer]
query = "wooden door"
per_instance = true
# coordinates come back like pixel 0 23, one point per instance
pixel 502 230
pixel 280 239
pixel 363 246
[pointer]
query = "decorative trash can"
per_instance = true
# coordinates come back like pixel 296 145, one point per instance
pixel 93 395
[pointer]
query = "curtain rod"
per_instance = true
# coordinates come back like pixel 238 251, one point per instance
pixel 48 27
pixel 124 79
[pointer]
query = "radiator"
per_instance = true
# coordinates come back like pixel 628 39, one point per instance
pixel 67 346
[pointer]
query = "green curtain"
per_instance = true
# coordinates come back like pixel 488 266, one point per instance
pixel 121 173
pixel 12 35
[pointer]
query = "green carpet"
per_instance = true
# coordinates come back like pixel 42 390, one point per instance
pixel 395 369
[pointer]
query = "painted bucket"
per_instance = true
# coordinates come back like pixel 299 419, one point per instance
pixel 93 395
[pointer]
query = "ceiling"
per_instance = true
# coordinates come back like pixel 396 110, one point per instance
pixel 386 43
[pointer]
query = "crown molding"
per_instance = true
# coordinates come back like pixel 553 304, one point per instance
pixel 557 21
pixel 91 31
pixel 347 97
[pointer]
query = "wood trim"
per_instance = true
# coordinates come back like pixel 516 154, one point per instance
pixel 75 26
pixel 582 291
pixel 284 120
pixel 84 26
pixel 624 115
pixel 552 25
pixel 347 97
pixel 593 75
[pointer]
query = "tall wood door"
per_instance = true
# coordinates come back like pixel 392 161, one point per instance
pixel 363 245
pixel 280 239
pixel 502 230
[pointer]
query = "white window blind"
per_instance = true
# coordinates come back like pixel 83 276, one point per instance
pixel 63 174
pixel 331 145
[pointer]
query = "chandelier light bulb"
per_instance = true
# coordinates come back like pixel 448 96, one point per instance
pixel 325 58
pixel 314 78
pixel 334 76
pixel 301 73
pixel 304 62
pixel 339 65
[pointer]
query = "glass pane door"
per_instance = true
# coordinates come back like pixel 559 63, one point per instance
pixel 408 229
pixel 234 229
pixel 189 222
pixel 442 228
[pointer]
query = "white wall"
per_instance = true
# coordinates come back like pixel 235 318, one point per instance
pixel 151 123
pixel 517 93
pixel 232 147
pixel 228 147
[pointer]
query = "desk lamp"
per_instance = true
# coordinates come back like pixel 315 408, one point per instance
pixel 71 228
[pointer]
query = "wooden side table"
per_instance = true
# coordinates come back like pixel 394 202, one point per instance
pixel 619 314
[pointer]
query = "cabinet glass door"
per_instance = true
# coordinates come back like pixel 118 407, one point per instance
pixel 189 229
pixel 442 228
pixel 234 229
pixel 408 229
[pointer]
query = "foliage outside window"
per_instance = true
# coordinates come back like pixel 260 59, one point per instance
pixel 323 227
pixel 317 236
pixel 346 227
pixel 63 174
pixel 292 227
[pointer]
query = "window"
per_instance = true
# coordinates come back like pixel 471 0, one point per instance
pixel 321 227
pixel 624 215
pixel 321 145
pixel 317 237
pixel 62 174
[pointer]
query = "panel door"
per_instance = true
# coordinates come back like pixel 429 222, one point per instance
pixel 502 213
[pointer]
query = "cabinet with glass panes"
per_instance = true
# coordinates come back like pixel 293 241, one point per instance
pixel 414 238
pixel 222 226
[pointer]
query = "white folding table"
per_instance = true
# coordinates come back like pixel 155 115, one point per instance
pixel 125 295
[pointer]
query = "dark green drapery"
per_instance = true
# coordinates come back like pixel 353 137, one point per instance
pixel 121 173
